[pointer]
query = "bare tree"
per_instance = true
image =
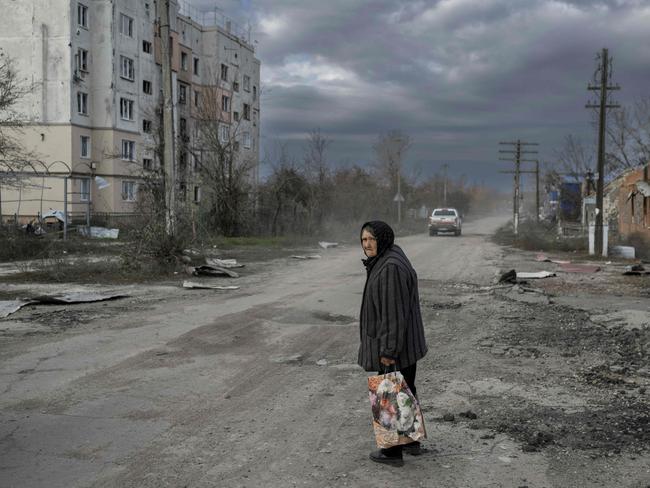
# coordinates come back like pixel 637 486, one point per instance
pixel 390 150
pixel 574 159
pixel 318 177
pixel 628 134
pixel 225 172
pixel 15 160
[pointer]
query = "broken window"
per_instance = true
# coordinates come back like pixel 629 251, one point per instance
pixel 127 70
pixel 82 60
pixel 128 150
pixel 126 25
pixel 128 190
pixel 85 147
pixel 126 109
pixel 82 15
pixel 82 103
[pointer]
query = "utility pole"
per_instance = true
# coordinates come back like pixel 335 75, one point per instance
pixel 536 173
pixel 444 191
pixel 516 158
pixel 168 153
pixel 602 106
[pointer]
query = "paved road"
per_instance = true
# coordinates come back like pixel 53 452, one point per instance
pixel 253 388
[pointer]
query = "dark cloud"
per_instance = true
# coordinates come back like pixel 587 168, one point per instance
pixel 457 75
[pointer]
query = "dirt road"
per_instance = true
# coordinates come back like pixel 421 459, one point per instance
pixel 259 387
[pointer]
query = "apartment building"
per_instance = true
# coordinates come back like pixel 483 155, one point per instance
pixel 92 116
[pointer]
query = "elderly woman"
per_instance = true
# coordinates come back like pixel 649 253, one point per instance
pixel 391 330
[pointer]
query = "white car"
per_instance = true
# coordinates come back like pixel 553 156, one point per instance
pixel 445 220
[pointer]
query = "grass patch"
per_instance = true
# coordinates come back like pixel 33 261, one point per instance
pixel 535 236
pixel 112 271
pixel 15 245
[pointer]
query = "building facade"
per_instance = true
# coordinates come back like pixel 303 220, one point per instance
pixel 627 202
pixel 92 116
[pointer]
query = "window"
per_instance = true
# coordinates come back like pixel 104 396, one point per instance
pixel 235 86
pixel 82 60
pixel 224 133
pixel 184 61
pixel 82 103
pixel 82 15
pixel 147 164
pixel 225 103
pixel 246 140
pixel 126 68
pixel 85 147
pixel 146 47
pixel 224 72
pixel 197 194
pixel 84 190
pixel 235 116
pixel 128 190
pixel 254 93
pixel 196 66
pixel 146 87
pixel 128 150
pixel 146 126
pixel 197 98
pixel 247 111
pixel 126 25
pixel 182 93
pixel 197 164
pixel 182 126
pixel 126 109
pixel 247 83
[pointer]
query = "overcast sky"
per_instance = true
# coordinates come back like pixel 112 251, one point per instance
pixel 458 76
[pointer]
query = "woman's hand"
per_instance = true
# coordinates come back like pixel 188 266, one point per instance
pixel 386 361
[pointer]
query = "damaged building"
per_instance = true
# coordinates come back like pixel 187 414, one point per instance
pixel 92 115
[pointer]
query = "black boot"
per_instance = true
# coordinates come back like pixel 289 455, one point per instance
pixel 414 448
pixel 391 456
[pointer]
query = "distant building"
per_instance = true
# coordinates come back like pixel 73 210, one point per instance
pixel 627 202
pixel 95 68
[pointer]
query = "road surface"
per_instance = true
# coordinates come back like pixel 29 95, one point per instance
pixel 259 387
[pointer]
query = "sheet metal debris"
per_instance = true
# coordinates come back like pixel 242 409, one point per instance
pixel 207 270
pixel 207 286
pixel 636 270
pixel 327 245
pixel 223 263
pixel 529 275
pixel 76 297
pixel 99 232
pixel 312 256
pixel 7 307
pixel 542 258
pixel 512 276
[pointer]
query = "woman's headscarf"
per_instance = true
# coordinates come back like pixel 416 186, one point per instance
pixel 384 235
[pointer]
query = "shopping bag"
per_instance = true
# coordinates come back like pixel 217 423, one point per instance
pixel 396 414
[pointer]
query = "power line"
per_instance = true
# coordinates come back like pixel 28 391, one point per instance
pixel 517 159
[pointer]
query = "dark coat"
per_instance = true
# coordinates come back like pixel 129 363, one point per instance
pixel 390 319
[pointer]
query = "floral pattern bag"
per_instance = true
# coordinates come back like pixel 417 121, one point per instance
pixel 396 415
